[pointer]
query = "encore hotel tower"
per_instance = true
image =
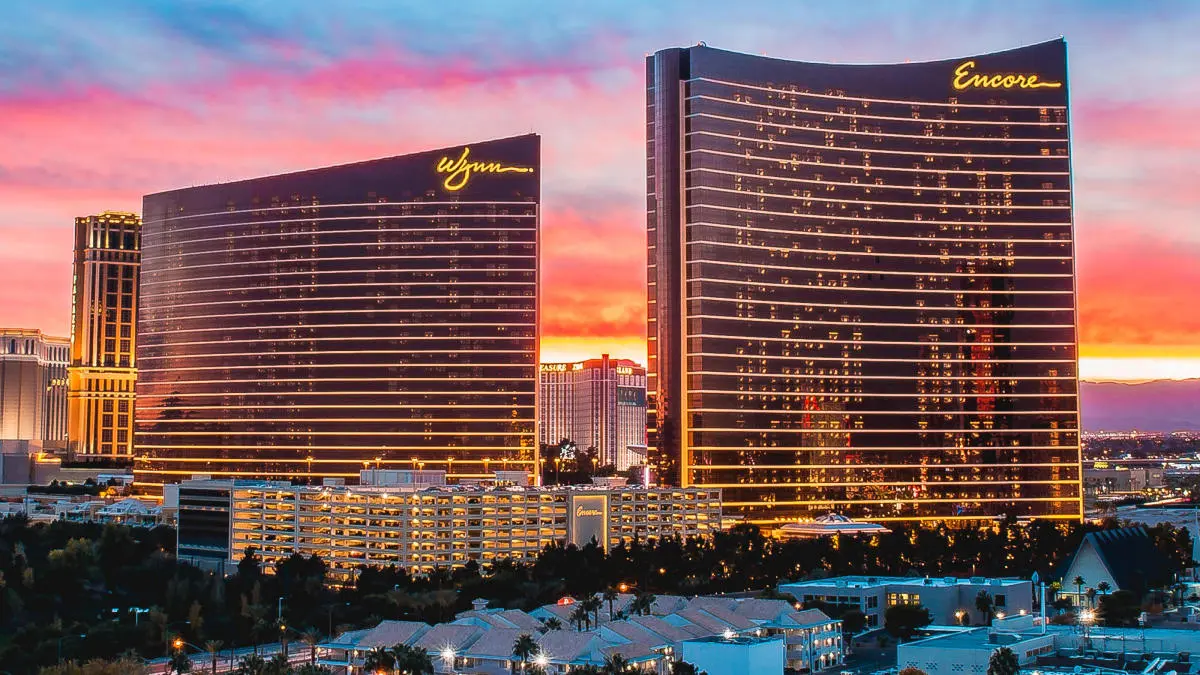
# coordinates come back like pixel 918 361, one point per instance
pixel 862 285
pixel 379 314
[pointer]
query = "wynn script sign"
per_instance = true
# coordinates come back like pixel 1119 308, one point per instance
pixel 459 171
pixel 966 78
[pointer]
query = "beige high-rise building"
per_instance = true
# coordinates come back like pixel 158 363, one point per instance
pixel 599 403
pixel 33 387
pixel 103 335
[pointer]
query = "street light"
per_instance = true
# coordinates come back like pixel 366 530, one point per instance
pixel 959 615
pixel 1087 617
pixel 64 637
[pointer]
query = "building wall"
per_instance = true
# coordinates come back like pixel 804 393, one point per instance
pixel 1089 565
pixel 297 326
pixel 33 387
pixel 862 285
pixel 933 657
pixel 103 359
pixel 943 600
pixel 598 403
pixel 719 657
pixel 425 529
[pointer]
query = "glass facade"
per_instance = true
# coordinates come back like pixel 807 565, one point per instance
pixel 103 370
pixel 862 285
pixel 305 325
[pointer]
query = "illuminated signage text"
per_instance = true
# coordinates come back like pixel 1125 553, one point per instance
pixel 965 77
pixel 583 511
pixel 624 370
pixel 459 171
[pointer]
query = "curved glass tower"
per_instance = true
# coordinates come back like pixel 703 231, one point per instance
pixel 862 285
pixel 379 314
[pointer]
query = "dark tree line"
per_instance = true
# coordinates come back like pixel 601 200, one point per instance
pixel 91 591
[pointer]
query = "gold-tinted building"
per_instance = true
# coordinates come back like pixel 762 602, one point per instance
pixel 103 368
pixel 862 285
pixel 382 312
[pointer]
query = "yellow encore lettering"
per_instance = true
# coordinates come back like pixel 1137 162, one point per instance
pixel 966 78
pixel 459 171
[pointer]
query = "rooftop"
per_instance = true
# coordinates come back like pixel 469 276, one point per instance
pixel 875 582
pixel 739 639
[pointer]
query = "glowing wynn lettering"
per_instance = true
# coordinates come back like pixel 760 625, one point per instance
pixel 964 78
pixel 459 171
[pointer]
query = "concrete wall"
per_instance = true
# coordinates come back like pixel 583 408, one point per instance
pixel 719 657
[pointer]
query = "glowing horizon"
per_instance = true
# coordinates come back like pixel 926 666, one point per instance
pixel 157 96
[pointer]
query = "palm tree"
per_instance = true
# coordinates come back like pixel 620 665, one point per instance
pixel 1079 582
pixel 523 648
pixel 1091 596
pixel 593 605
pixel 683 668
pixel 615 663
pixel 1003 662
pixel 1104 587
pixel 579 616
pixel 610 596
pixel 983 603
pixel 642 603
pixel 551 624
pixel 379 659
pixel 311 637
pixel 179 663
pixel 213 647
pixel 251 665
pixel 412 660
pixel 278 665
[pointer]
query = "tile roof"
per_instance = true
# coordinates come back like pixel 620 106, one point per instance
pixel 391 633
pixel 671 630
pixel 567 645
pixel 495 643
pixel 633 632
pixel 632 651
pixel 454 636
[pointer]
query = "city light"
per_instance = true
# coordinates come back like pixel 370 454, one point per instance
pixel 178 643
pixel 448 654
pixel 728 634
pixel 1087 616
pixel 541 660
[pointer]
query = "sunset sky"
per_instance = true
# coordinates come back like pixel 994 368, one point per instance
pixel 102 102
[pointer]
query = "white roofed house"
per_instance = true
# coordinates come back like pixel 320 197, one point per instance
pixel 481 640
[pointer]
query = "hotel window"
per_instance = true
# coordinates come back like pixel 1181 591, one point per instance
pixel 903 599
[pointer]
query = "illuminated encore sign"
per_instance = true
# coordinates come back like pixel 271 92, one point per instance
pixel 965 77
pixel 583 512
pixel 459 171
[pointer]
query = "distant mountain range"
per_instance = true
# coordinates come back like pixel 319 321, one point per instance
pixel 1161 405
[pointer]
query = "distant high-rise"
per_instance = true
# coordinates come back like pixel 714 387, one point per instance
pixel 380 314
pixel 598 403
pixel 862 285
pixel 33 387
pixel 104 306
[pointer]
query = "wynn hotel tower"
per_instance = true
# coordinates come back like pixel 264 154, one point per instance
pixel 381 314
pixel 862 285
